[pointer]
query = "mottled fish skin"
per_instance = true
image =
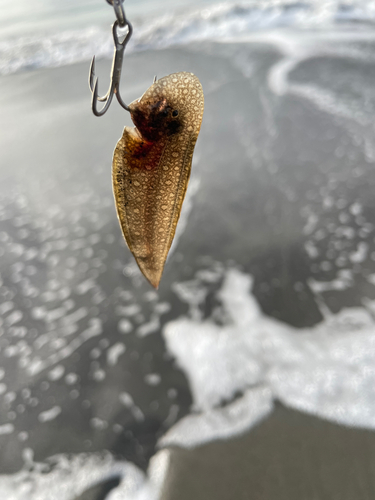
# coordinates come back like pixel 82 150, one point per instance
pixel 151 167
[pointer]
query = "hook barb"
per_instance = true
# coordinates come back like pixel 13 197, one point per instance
pixel 95 99
pixel 92 74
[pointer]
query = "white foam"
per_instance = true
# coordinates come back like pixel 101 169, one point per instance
pixel 72 475
pixel 297 48
pixel 150 327
pixel 114 352
pixel 223 21
pixel 326 370
pixel 56 373
pixel 127 400
pixel 343 281
pixel 221 423
pixel 360 254
pixel 6 307
pixel 124 326
pixel 36 364
pixel 6 429
pixel 152 379
pixel 50 414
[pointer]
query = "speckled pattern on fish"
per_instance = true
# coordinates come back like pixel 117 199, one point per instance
pixel 151 167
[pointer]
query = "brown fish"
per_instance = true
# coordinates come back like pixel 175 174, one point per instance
pixel 151 167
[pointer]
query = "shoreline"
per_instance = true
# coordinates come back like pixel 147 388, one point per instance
pixel 288 456
pixel 274 171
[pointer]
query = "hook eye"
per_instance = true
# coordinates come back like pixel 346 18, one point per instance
pixel 120 37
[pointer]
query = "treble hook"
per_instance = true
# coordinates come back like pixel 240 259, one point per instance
pixel 115 71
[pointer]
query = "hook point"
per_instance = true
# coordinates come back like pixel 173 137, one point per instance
pixel 92 74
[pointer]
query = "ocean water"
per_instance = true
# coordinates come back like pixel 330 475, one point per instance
pixel 270 286
pixel 52 33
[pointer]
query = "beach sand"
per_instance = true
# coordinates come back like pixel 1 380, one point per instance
pixel 261 158
pixel 289 456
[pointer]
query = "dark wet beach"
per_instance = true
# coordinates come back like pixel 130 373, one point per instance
pixel 282 189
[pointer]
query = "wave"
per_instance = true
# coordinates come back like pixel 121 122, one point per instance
pixel 223 22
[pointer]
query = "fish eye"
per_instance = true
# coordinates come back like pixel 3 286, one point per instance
pixel 175 113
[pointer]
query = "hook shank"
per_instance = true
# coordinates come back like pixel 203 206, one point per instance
pixel 118 56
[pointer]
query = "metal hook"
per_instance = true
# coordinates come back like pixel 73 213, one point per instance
pixel 119 11
pixel 116 67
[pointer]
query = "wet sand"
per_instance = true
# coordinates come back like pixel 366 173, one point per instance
pixel 289 456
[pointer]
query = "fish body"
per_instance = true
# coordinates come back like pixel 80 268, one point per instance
pixel 151 167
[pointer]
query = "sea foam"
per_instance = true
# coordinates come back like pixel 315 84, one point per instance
pixel 325 370
pixel 219 22
pixel 235 371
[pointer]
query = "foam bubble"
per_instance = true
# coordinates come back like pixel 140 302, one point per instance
pixel 50 414
pixel 325 370
pixel 6 429
pixel 114 352
pixel 72 475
